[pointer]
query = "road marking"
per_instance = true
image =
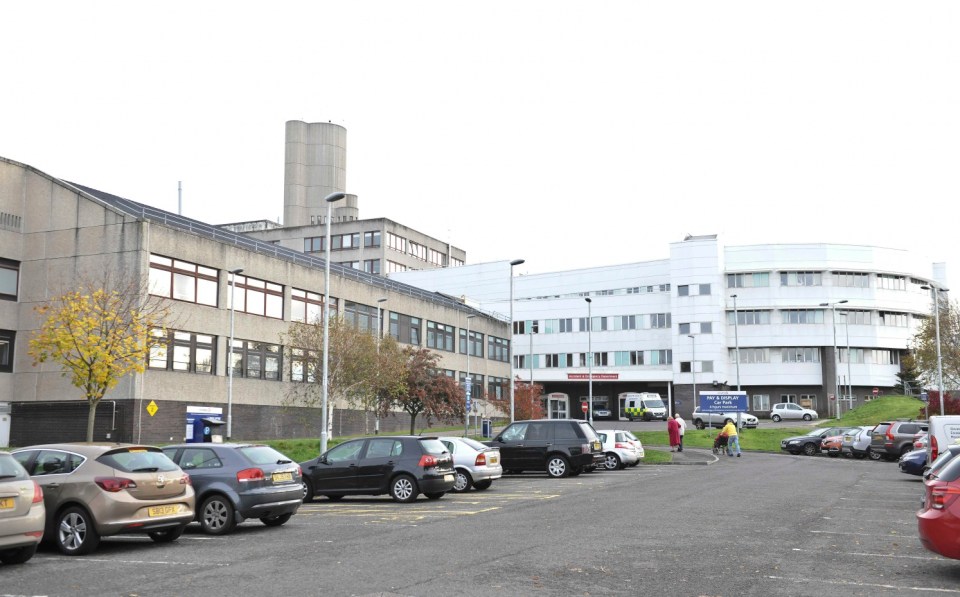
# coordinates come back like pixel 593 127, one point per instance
pixel 859 521
pixel 892 534
pixel 876 555
pixel 885 501
pixel 863 584
pixel 152 562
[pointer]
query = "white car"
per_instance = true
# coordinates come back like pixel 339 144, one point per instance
pixel 620 448
pixel 704 420
pixel 789 410
pixel 475 464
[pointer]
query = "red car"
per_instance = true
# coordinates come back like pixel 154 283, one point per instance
pixel 939 518
pixel 831 445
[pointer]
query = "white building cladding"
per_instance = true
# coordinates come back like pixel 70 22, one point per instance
pixel 654 321
pixel 52 232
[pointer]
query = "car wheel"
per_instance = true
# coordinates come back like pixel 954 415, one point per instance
pixel 167 536
pixel 435 496
pixel 874 455
pixel 807 418
pixel 216 515
pixel 809 449
pixel 461 481
pixel 612 462
pixel 276 521
pixel 403 489
pixel 19 555
pixel 905 449
pixel 307 487
pixel 698 423
pixel 630 419
pixel 483 485
pixel 558 467
pixel 647 416
pixel 75 535
pixel 775 418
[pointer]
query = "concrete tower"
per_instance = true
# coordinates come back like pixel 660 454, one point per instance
pixel 315 166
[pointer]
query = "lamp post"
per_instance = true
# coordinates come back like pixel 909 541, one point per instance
pixel 376 420
pixel 846 327
pixel 469 382
pixel 589 359
pixel 836 355
pixel 233 287
pixel 512 263
pixel 936 306
pixel 736 340
pixel 329 199
pixel 693 368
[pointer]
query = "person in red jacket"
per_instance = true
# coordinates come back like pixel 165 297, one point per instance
pixel 673 431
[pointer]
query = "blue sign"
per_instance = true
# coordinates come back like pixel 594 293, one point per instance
pixel 723 402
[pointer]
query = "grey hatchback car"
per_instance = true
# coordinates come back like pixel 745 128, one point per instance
pixel 234 482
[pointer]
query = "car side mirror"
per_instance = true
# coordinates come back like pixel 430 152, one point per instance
pixel 498 439
pixel 322 459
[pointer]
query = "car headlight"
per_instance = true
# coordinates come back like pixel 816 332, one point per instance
pixel 794 441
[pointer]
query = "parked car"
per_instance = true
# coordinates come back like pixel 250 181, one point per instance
pixel 789 410
pixel 403 466
pixel 946 455
pixel 943 430
pixel 831 445
pixel 618 449
pixel 809 443
pixel 702 420
pixel 22 515
pixel 913 462
pixel 856 443
pixel 920 441
pixel 234 482
pixel 636 443
pixel 601 412
pixel 938 520
pixel 892 439
pixel 92 491
pixel 475 464
pixel 561 447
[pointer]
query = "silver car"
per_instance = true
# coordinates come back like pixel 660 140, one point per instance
pixel 476 465
pixel 856 443
pixel 619 449
pixel 22 514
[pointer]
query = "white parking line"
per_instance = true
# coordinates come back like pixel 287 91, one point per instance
pixel 875 555
pixel 857 534
pixel 862 584
pixel 859 521
pixel 152 562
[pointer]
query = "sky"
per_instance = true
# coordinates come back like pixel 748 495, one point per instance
pixel 568 134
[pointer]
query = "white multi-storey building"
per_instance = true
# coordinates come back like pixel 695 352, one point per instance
pixel 805 323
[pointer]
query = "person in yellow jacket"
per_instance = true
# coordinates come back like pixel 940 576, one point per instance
pixel 733 441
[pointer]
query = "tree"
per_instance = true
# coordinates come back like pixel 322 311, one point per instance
pixel 98 334
pixel 426 391
pixel 526 401
pixel 908 383
pixel 925 346
pixel 951 404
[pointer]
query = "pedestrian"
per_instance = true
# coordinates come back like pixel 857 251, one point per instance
pixel 733 440
pixel 683 429
pixel 673 431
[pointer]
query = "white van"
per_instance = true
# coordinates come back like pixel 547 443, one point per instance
pixel 942 431
pixel 643 405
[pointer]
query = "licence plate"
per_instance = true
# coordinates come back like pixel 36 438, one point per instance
pixel 596 446
pixel 494 460
pixel 163 510
pixel 281 477
pixel 6 503
pixel 448 478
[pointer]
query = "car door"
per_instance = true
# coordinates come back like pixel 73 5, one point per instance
pixel 536 442
pixel 51 470
pixel 792 411
pixel 510 444
pixel 377 462
pixel 336 470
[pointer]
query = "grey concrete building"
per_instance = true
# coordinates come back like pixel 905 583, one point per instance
pixel 53 232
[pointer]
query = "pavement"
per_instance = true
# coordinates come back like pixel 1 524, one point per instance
pixel 689 456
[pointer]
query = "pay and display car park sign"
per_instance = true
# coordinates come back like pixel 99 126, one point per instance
pixel 723 402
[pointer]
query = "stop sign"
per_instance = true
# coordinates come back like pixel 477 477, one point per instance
pixel 876 391
pixel 584 407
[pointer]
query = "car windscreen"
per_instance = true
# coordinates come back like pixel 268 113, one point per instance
pixel 138 460
pixel 653 403
pixel 263 455
pixel 433 446
pixel 11 469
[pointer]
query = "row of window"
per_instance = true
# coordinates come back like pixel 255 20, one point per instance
pixel 869 356
pixel 621 358
pixel 818 316
pixel 814 278
pixel 615 323
pixel 340 242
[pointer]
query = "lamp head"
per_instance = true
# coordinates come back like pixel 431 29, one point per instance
pixel 334 197
pixel 588 299
pixel 236 270
pixel 516 262
pixel 381 300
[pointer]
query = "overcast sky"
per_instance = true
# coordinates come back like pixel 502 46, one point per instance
pixel 569 134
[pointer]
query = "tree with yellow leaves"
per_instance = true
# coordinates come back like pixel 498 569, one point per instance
pixel 98 335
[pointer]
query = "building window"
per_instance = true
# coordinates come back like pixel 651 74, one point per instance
pixel 7 341
pixel 851 279
pixel 314 244
pixel 802 354
pixel 9 279
pixel 749 317
pixel 857 317
pixel 417 250
pixel 683 290
pixel 761 402
pixel 750 280
pixel 371 266
pixel 889 318
pixel 801 279
pixel 371 239
pixel 183 281
pixel 304 365
pixel 685 366
pixel 393 267
pixel 891 282
pixel 885 357
pixel 440 336
pixel 600 359
pixel 307 307
pixel 704 289
pixel 340 242
pixel 404 328
pixel 257 297
pixel 256 360
pixel 183 351
pixel 397 243
pixel 436 257
pixel 362 317
pixel 852 355
pixel 475 343
pixel 660 357
pixel 628 358
pixel 750 355
pixel 497 387
pixel 706 327
pixel 498 349
pixel 625 322
pixel 789 398
pixel 804 316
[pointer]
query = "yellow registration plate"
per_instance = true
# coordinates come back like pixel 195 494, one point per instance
pixel 494 460
pixel 6 503
pixel 448 478
pixel 281 477
pixel 596 445
pixel 163 510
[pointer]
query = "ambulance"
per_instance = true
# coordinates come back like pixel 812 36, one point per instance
pixel 643 405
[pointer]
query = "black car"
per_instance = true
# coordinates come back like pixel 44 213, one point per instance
pixel 403 466
pixel 561 447
pixel 893 439
pixel 234 482
pixel 809 443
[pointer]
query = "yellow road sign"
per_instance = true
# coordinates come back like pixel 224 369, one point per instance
pixel 152 408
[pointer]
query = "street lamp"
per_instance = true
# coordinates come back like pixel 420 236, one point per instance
pixel 836 355
pixel 693 367
pixel 512 263
pixel 736 336
pixel 469 382
pixel 233 287
pixel 846 327
pixel 936 306
pixel 329 199
pixel 589 359
pixel 376 420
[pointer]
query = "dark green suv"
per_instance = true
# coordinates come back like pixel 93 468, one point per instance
pixel 561 447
